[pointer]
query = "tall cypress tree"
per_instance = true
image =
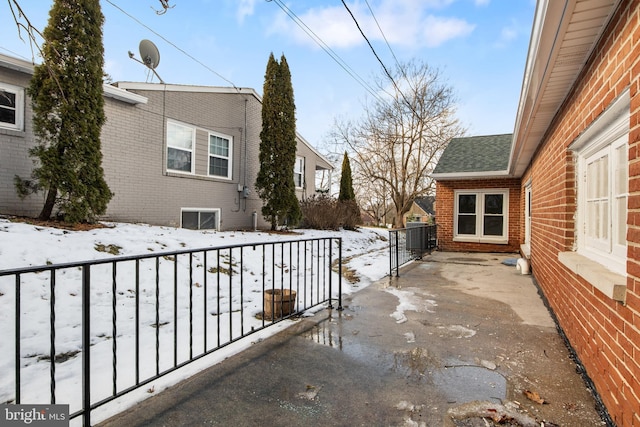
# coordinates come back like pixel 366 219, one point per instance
pixel 274 182
pixel 68 109
pixel 346 182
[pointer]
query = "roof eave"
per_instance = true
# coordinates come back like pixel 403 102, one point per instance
pixel 123 95
pixel 16 64
pixel 550 50
pixel 458 176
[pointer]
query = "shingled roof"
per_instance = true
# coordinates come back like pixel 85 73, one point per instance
pixel 476 156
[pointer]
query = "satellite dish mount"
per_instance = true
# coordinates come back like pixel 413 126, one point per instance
pixel 150 56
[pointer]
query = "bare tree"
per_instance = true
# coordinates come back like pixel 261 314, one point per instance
pixel 402 134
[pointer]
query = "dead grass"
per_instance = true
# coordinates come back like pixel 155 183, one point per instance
pixel 57 224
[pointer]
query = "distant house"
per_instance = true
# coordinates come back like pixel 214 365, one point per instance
pixel 422 210
pixel 564 188
pixel 183 156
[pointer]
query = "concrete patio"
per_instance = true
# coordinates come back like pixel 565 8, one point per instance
pixel 458 339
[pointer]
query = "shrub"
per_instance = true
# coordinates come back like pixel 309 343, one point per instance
pixel 322 212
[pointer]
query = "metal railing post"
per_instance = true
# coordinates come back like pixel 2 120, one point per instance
pixel 340 275
pixel 86 345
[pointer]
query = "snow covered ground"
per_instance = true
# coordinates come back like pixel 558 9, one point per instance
pixel 22 245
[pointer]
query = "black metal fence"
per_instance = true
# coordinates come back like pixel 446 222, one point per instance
pixel 407 244
pixel 113 326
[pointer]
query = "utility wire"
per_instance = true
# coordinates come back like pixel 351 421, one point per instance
pixel 380 61
pixel 326 48
pixel 173 44
pixel 382 32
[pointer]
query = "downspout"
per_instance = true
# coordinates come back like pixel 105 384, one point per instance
pixel 244 178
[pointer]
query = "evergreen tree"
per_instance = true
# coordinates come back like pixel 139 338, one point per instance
pixel 68 109
pixel 274 183
pixel 346 183
pixel 347 205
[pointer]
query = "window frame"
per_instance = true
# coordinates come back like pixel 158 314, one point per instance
pixel 607 134
pixel 215 211
pixel 19 106
pixel 192 151
pixel 479 236
pixel 300 162
pixel 229 158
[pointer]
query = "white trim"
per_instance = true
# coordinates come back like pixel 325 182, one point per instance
pixel 607 133
pixel 299 172
pixel 470 175
pixel 217 211
pixel 122 95
pixel 192 151
pixel 527 217
pixel 479 236
pixel 229 158
pixel 19 107
pixel 611 284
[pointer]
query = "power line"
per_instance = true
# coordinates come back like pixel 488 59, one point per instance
pixel 173 44
pixel 326 48
pixel 382 32
pixel 379 60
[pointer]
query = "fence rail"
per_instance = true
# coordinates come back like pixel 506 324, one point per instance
pixel 113 326
pixel 407 244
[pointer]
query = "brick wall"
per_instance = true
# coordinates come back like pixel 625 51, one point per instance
pixel 445 212
pixel 604 333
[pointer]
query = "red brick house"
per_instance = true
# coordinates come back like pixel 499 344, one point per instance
pixel 568 197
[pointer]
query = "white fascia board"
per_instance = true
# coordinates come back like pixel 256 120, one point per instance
pixel 122 95
pixel 186 88
pixel 456 176
pixel 16 64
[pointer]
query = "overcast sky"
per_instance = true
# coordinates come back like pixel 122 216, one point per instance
pixel 480 46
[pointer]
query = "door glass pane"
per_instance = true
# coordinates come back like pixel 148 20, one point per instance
pixel 467 203
pixel 493 225
pixel 467 224
pixel 493 204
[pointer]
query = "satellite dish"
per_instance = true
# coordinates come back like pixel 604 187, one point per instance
pixel 149 53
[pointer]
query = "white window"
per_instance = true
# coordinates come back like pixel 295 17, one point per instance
pixel 298 172
pixel 481 216
pixel 220 149
pixel 200 219
pixel 602 187
pixel 11 107
pixel 180 147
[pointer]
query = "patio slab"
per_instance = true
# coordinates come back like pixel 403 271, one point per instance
pixel 456 340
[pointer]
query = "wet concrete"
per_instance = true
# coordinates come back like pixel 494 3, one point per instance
pixel 457 340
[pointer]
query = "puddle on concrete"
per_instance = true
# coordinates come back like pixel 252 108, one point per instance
pixel 466 383
pixel 417 363
pixel 325 333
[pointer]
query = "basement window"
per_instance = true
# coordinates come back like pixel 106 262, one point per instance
pixel 200 219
